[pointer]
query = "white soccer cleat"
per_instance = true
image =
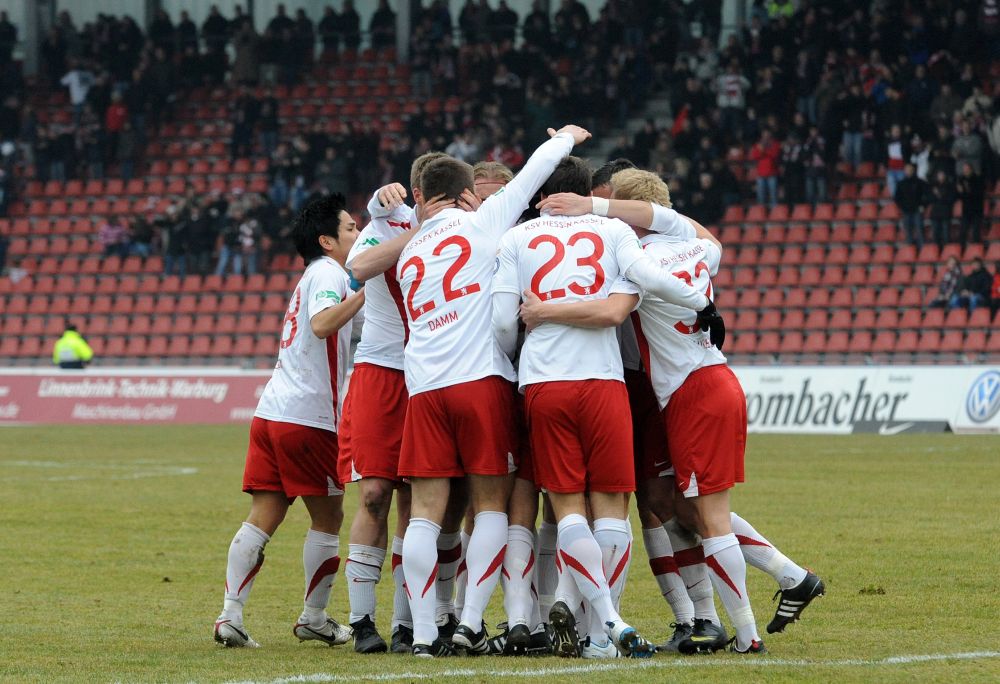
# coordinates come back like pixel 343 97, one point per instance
pixel 629 643
pixel 594 651
pixel 330 632
pixel 233 635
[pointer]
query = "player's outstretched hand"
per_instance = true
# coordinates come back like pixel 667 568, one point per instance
pixel 435 206
pixel 579 134
pixel 468 201
pixel 531 310
pixel 392 195
pixel 711 321
pixel 565 204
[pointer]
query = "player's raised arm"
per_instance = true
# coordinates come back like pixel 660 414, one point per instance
pixel 502 209
pixel 658 219
pixel 594 313
pixel 372 260
pixel 386 200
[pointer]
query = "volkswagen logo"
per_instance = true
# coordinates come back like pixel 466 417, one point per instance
pixel 983 401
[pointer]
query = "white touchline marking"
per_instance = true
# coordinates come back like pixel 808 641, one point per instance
pixel 630 665
pixel 119 471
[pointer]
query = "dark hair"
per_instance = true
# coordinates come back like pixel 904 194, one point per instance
pixel 603 175
pixel 445 176
pixel 320 217
pixel 571 175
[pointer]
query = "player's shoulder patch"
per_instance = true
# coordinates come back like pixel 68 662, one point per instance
pixel 328 294
pixel 498 192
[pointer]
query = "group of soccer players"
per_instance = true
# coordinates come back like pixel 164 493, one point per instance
pixel 575 356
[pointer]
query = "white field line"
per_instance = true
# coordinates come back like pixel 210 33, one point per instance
pixel 631 665
pixel 92 470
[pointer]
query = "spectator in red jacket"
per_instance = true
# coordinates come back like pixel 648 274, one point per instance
pixel 114 121
pixel 995 291
pixel 766 152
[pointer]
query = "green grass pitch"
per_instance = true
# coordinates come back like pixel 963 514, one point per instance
pixel 114 539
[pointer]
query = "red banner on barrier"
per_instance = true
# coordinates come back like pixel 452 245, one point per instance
pixel 130 396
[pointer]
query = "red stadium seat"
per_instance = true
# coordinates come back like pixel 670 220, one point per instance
pixel 929 341
pixel 952 341
pixel 907 342
pixel 885 341
pixel 769 320
pixel 976 341
pixel 980 318
pixel 838 343
pixel 956 319
pixel 792 342
pixel 861 342
pixel 769 343
pixel 817 320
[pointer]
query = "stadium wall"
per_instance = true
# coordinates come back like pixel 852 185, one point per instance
pixel 886 400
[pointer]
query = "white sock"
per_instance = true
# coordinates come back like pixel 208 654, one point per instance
pixel 420 569
pixel 449 548
pixel 484 559
pixel 400 600
pixel 518 571
pixel 246 555
pixel 615 539
pixel 566 590
pixel 363 571
pixel 581 555
pixel 761 554
pixel 547 574
pixel 320 562
pixel 668 578
pixel 690 559
pixel 729 575
pixel 461 576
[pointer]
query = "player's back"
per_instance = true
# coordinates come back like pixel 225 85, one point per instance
pixel 445 275
pixel 566 259
pixel 309 375
pixel 671 343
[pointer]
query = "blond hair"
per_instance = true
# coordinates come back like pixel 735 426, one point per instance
pixel 492 170
pixel 635 184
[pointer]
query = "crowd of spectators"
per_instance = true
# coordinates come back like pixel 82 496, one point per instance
pixel 977 288
pixel 807 92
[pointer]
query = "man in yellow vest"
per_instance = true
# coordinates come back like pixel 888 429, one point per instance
pixel 71 350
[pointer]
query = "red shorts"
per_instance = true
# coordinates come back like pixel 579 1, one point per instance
pixel 297 460
pixel 651 457
pixel 581 436
pixel 464 429
pixel 706 422
pixel 525 466
pixel 371 424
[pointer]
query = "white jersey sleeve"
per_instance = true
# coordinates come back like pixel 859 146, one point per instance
pixel 377 211
pixel 502 209
pixel 505 270
pixel 307 385
pixel 667 221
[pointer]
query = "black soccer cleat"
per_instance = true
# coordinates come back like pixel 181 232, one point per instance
pixel 794 601
pixel 447 628
pixel 565 638
pixel 366 637
pixel 402 640
pixel 682 630
pixel 471 643
pixel 705 637
pixel 439 649
pixel 518 641
pixel 756 648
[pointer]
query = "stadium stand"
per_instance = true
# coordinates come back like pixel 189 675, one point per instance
pixel 819 270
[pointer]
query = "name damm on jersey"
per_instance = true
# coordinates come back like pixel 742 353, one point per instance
pixel 443 320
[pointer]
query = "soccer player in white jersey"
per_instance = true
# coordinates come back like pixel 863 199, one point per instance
pixel 577 406
pixel 293 436
pixel 704 413
pixel 459 421
pixel 372 430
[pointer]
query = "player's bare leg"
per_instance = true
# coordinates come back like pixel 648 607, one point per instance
pixel 363 570
pixel 796 585
pixel 654 499
pixel 402 622
pixel 489 496
pixel 246 556
pixel 449 546
pixel 581 556
pixel 520 602
pixel 728 567
pixel 321 560
pixel 427 509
